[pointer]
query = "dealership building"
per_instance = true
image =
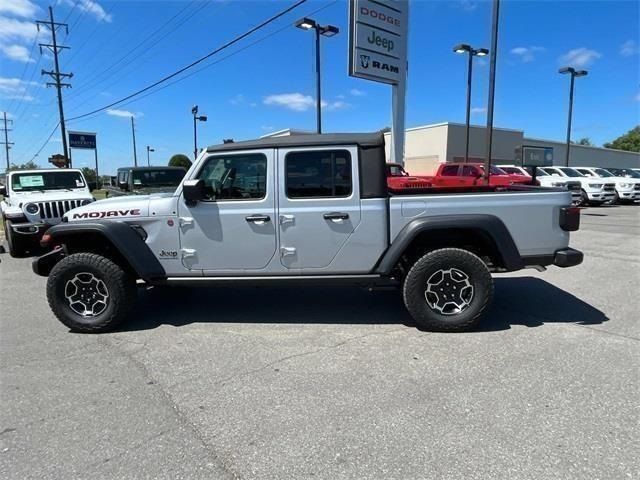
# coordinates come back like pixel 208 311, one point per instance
pixel 429 145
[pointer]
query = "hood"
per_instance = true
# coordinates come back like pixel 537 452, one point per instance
pixel 134 206
pixel 50 196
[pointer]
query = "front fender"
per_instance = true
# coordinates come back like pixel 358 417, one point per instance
pixel 124 239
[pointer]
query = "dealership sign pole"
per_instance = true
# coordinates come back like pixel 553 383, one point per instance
pixel 86 141
pixel 378 52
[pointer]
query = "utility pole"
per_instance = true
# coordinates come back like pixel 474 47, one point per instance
pixel 56 75
pixel 133 133
pixel 6 142
pixel 495 19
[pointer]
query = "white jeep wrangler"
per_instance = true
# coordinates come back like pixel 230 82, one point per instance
pixel 34 200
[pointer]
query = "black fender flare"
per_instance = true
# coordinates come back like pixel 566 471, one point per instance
pixel 121 235
pixel 489 225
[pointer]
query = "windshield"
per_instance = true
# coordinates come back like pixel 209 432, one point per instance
pixel 34 181
pixel 513 170
pixel 625 172
pixel 602 172
pixel 570 172
pixel 396 171
pixel 157 178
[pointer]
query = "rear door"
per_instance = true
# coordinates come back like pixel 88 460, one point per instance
pixel 234 228
pixel 319 205
pixel 449 176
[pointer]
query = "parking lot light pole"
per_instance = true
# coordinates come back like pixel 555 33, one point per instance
pixel 196 119
pixel 473 52
pixel 149 149
pixel 574 73
pixel 327 31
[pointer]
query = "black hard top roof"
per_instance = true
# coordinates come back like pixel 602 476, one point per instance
pixel 159 167
pixel 305 140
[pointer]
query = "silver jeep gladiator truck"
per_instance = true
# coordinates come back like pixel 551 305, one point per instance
pixel 304 209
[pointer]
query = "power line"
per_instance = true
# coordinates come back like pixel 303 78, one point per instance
pixel 196 62
pixel 56 75
pixel 46 141
pixel 209 65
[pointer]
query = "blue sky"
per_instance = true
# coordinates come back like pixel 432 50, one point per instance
pixel 270 85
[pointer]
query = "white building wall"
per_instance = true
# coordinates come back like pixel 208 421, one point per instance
pixel 425 148
pixel 588 156
pixel 504 142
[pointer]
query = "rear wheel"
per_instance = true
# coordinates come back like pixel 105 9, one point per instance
pixel 90 293
pixel 585 199
pixel 448 290
pixel 17 246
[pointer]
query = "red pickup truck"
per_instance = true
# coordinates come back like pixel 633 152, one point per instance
pixel 469 174
pixel 399 179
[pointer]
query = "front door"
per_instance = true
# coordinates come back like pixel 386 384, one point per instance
pixel 234 227
pixel 319 205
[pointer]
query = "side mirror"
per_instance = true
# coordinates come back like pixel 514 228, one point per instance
pixel 3 190
pixel 123 185
pixel 193 191
pixel 92 186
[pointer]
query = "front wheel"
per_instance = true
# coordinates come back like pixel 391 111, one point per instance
pixel 17 247
pixel 448 290
pixel 90 293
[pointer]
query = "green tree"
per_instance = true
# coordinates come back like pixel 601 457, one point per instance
pixel 89 174
pixel 180 160
pixel 30 165
pixel 630 141
pixel 586 141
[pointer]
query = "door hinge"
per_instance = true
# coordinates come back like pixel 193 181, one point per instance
pixel 184 221
pixel 286 251
pixel 287 219
pixel 188 252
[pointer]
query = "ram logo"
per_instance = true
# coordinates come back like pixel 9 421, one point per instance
pixel 364 61
pixel 108 213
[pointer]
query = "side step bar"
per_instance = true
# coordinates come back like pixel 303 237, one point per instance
pixel 277 280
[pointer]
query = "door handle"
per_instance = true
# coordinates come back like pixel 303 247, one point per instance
pixel 258 218
pixel 336 216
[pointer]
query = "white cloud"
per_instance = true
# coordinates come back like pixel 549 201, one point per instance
pixel 121 113
pixel 92 7
pixel 17 53
pixel 526 54
pixel 267 128
pixel 357 93
pixel 237 99
pixel 19 8
pixel 331 106
pixel 629 48
pixel 467 5
pixel 15 88
pixel 479 110
pixel 580 57
pixel 11 28
pixel 293 101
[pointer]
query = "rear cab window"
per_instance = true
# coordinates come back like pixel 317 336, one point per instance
pixel 449 171
pixel 318 174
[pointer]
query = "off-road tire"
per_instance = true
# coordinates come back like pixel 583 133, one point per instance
pixel 120 286
pixel 415 285
pixel 16 245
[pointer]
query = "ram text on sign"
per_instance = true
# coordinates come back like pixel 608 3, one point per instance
pixel 82 140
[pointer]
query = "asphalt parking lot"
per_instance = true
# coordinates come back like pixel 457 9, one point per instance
pixel 290 383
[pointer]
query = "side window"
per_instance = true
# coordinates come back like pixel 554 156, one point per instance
pixel 585 172
pixel 449 171
pixel 235 177
pixel 322 173
pixel 470 171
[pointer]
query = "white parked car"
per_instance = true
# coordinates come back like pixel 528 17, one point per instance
pixel 593 191
pixel 546 180
pixel 34 200
pixel 627 189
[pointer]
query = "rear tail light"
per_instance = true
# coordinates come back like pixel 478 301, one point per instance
pixel 570 219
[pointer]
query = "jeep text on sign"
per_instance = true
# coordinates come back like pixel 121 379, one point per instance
pixel 378 40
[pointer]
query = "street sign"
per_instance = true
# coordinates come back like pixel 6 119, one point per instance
pixel 85 140
pixel 378 40
pixel 531 156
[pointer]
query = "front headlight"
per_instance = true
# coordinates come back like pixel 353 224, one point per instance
pixel 624 185
pixel 31 208
pixel 85 202
pixel 595 185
